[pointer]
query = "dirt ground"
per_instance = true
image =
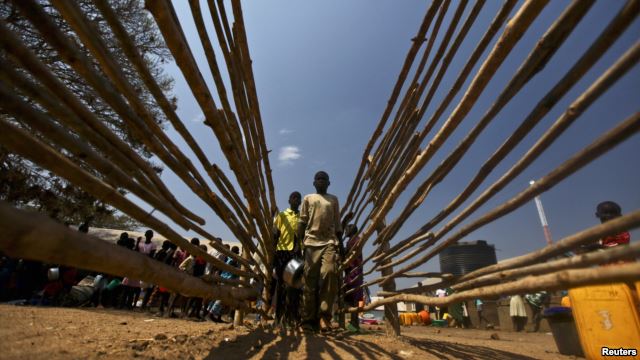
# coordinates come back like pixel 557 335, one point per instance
pixel 62 333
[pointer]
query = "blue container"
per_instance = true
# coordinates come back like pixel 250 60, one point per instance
pixel 564 330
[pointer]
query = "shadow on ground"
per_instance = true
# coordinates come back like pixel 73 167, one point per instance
pixel 450 350
pixel 265 344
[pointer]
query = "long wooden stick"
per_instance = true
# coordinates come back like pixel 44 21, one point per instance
pixel 33 236
pixel 48 101
pixel 56 134
pixel 548 44
pixel 615 72
pixel 26 145
pixel 135 113
pixel 495 25
pixel 604 41
pixel 604 143
pixel 512 34
pixel 408 62
pixel 622 252
pixel 560 280
pixel 569 243
pixel 172 32
pixel 90 37
pixel 21 54
pixel 137 60
pixel 405 120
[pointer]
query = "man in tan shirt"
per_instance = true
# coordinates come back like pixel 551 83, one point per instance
pixel 320 227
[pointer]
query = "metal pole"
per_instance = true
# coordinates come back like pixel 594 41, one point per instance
pixel 543 217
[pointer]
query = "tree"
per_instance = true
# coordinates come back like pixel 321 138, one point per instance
pixel 26 185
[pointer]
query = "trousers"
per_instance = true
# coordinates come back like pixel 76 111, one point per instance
pixel 320 282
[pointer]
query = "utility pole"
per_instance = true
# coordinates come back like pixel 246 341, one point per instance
pixel 543 217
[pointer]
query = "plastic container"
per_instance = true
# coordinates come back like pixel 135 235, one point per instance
pixel 439 323
pixel 605 316
pixel 564 330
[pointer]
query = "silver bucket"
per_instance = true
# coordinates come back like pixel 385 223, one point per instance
pixel 292 273
pixel 53 274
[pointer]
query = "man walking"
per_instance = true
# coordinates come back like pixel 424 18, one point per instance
pixel 287 246
pixel 320 227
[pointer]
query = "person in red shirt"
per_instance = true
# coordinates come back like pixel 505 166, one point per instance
pixel 608 210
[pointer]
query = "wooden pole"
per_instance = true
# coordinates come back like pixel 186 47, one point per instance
pixel 512 34
pixel 391 318
pixel 31 235
pixel 560 280
pixel 604 41
pixel 622 252
pixel 605 81
pixel 612 138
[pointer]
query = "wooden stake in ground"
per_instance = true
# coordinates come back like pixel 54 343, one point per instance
pixel 391 319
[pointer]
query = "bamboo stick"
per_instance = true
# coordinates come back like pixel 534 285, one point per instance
pixel 606 80
pixel 548 44
pixel 512 34
pixel 408 62
pixel 21 54
pixel 628 252
pixel 143 122
pixel 83 66
pixel 409 151
pixel 413 95
pixel 253 97
pixel 600 146
pixel 560 280
pixel 569 243
pixel 33 236
pixel 394 138
pixel 57 135
pixel 65 116
pixel 606 39
pixel 172 32
pixel 484 42
pixel 493 28
pixel 136 59
pixel 25 145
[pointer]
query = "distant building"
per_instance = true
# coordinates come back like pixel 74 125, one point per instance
pixel 465 257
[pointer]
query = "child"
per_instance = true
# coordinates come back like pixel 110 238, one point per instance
pixel 215 308
pixel 353 276
pixel 321 230
pixel 606 211
pixel 287 247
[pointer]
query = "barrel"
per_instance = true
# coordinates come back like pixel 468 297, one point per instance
pixel 465 257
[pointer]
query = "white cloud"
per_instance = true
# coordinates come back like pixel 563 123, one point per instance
pixel 285 131
pixel 198 118
pixel 288 154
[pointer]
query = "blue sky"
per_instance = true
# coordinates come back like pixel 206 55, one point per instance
pixel 324 72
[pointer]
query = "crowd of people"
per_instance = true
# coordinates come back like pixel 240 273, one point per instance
pixel 310 231
pixel 30 282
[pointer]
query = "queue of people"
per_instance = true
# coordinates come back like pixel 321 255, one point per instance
pixel 27 282
pixel 311 230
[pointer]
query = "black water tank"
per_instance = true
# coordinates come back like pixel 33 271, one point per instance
pixel 465 257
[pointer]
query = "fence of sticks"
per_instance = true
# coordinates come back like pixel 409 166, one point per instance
pixel 33 97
